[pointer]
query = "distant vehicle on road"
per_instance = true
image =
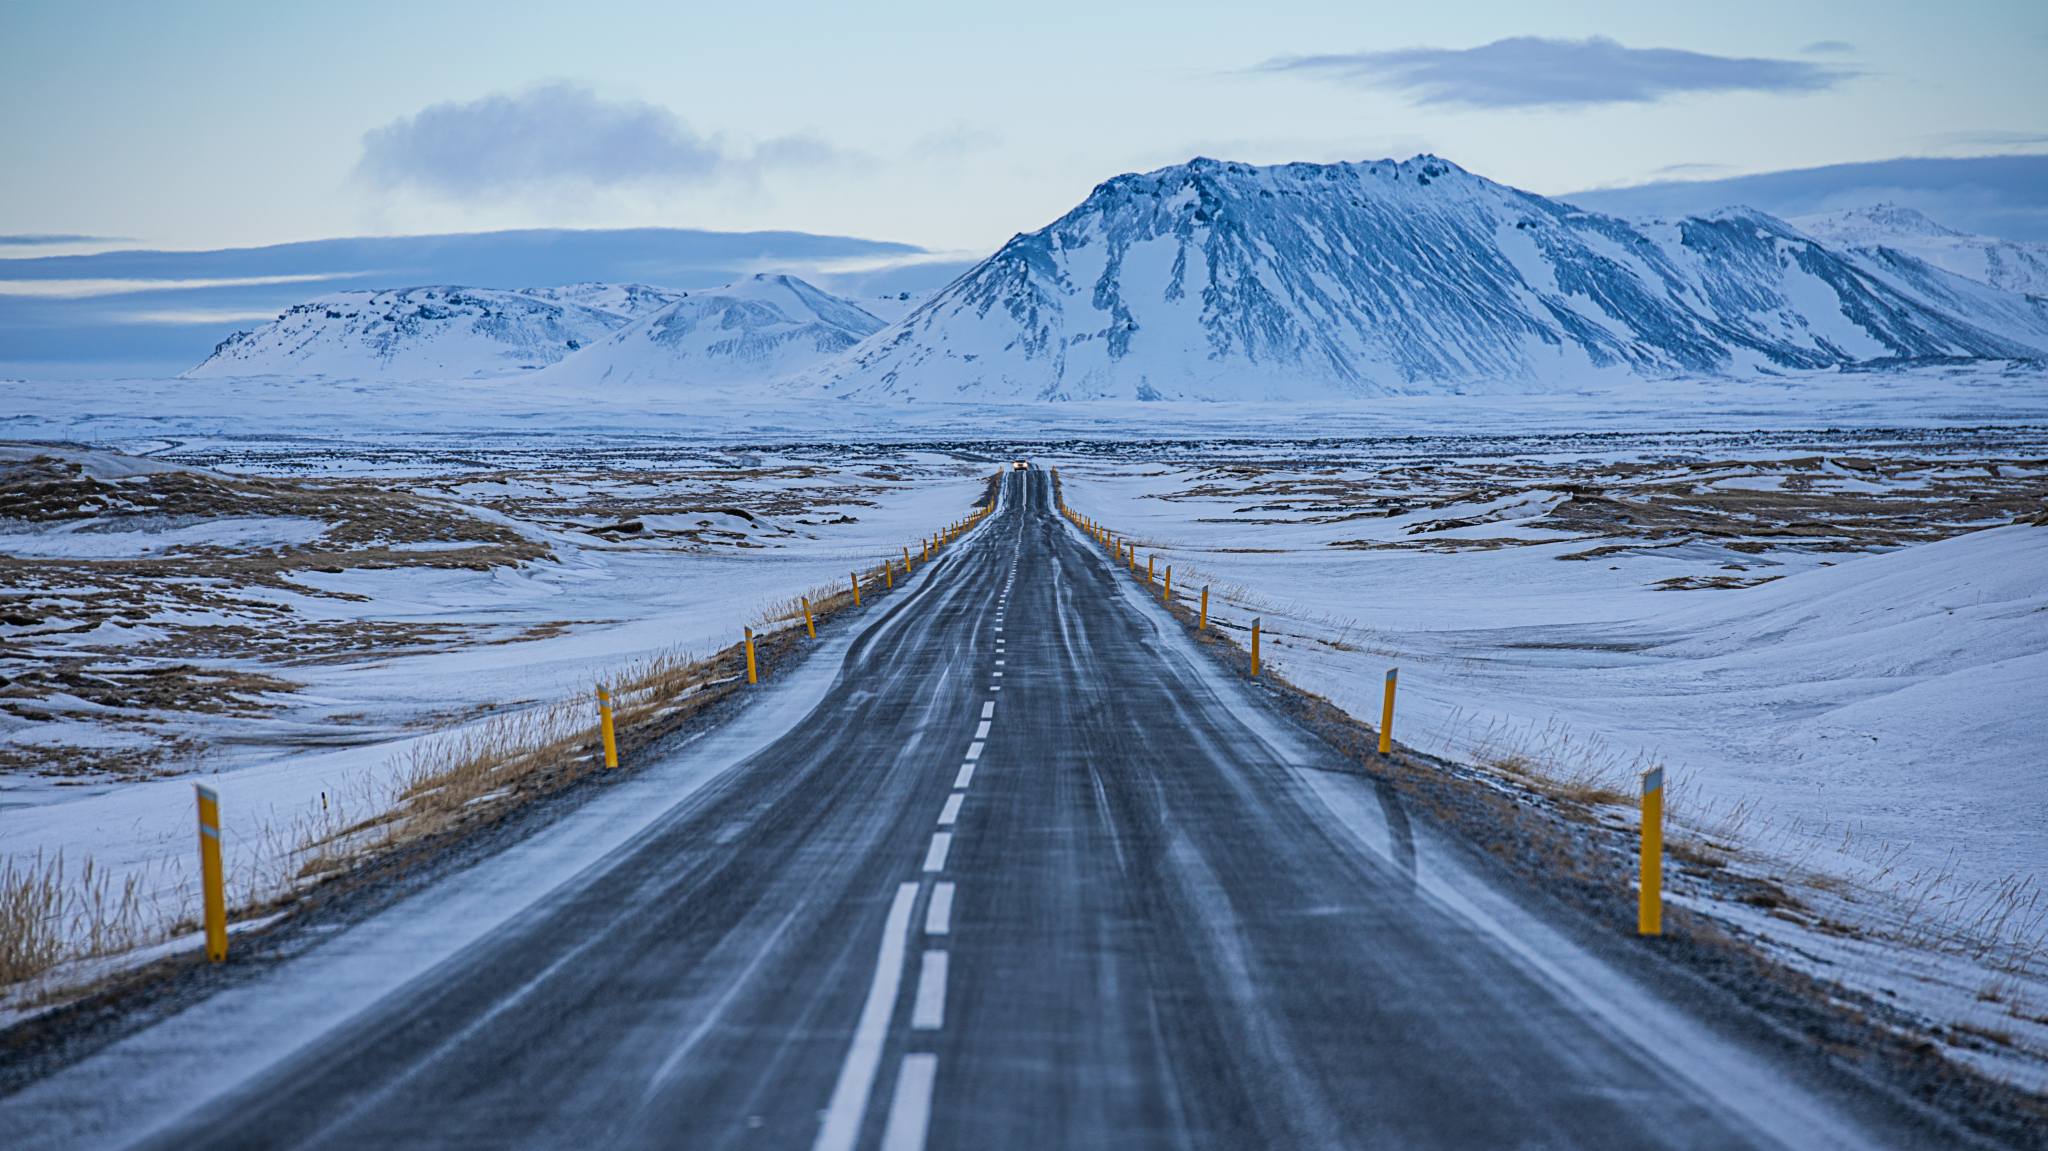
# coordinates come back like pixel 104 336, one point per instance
pixel 1020 465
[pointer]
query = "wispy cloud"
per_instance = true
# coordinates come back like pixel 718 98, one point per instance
pixel 1531 71
pixel 198 316
pixel 560 135
pixel 81 289
pixel 1829 48
pixel 36 238
pixel 1985 138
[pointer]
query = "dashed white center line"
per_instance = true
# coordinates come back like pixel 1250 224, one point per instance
pixel 841 1128
pixel 989 708
pixel 928 1013
pixel 965 777
pixel 910 1110
pixel 935 856
pixel 974 750
pixel 951 813
pixel 997 674
pixel 999 663
pixel 982 731
pixel 938 918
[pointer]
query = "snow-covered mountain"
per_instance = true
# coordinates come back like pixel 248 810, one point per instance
pixel 432 331
pixel 1223 281
pixel 758 329
pixel 2007 264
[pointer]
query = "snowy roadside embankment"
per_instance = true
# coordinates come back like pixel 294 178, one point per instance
pixel 367 662
pixel 1848 719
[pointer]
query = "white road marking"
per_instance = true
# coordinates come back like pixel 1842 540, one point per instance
pixel 999 663
pixel 982 731
pixel 935 856
pixel 966 775
pixel 974 750
pixel 988 709
pixel 951 813
pixel 997 674
pixel 928 1013
pixel 910 1111
pixel 999 629
pixel 841 1128
pixel 938 918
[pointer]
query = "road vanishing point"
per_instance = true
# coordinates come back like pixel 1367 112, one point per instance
pixel 1008 864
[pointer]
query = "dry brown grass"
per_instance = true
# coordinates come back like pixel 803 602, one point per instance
pixel 460 776
pixel 46 918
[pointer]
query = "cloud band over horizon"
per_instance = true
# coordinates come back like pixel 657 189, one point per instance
pixel 1533 71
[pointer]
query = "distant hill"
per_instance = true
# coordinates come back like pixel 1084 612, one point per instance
pixel 757 329
pixel 2007 264
pixel 156 313
pixel 432 332
pixel 2004 196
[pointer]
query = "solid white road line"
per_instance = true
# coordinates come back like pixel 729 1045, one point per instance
pixel 938 917
pixel 988 709
pixel 910 1111
pixel 982 731
pixel 841 1127
pixel 928 1012
pixel 974 750
pixel 965 777
pixel 935 856
pixel 951 814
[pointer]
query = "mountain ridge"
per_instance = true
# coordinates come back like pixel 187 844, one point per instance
pixel 1218 280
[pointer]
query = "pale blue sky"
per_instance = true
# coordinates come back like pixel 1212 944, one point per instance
pixel 946 125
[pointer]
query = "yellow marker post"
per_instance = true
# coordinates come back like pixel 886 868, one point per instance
pixel 1204 626
pixel 855 577
pixel 1148 568
pixel 751 678
pixel 889 573
pixel 1650 901
pixel 808 625
pixel 1255 647
pixel 1387 713
pixel 1166 593
pixel 210 876
pixel 927 551
pixel 604 714
pixel 906 561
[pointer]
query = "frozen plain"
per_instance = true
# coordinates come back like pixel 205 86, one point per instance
pixel 1710 701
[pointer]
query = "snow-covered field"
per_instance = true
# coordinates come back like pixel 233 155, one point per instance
pixel 159 627
pixel 1839 650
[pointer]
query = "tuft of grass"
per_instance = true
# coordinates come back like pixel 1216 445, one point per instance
pixel 46 918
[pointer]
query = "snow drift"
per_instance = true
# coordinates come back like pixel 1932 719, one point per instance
pixel 1222 281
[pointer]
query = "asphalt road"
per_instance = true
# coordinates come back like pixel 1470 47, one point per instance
pixel 1033 875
